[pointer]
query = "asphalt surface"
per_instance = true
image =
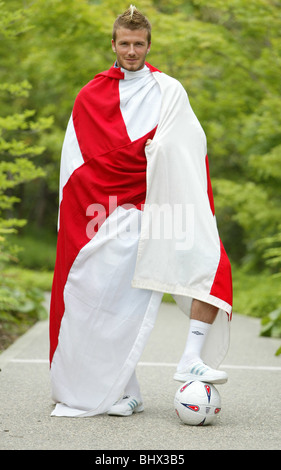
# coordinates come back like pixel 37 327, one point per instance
pixel 251 399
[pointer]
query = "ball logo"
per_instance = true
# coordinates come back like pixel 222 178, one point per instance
pixel 191 407
pixel 208 391
pixel 184 386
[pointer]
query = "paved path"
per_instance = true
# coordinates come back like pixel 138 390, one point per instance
pixel 251 400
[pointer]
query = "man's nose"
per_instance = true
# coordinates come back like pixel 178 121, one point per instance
pixel 132 50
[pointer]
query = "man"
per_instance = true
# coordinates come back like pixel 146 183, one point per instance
pixel 136 219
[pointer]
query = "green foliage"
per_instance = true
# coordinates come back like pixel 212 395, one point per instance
pixel 20 307
pixel 255 292
pixel 36 250
pixel 271 326
pixel 17 303
pixel 19 143
pixel 16 168
pixel 40 280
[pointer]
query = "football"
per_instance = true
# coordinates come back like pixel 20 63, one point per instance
pixel 197 403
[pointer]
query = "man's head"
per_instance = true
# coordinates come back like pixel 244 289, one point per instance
pixel 132 19
pixel 131 39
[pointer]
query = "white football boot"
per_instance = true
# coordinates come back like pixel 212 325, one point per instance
pixel 126 406
pixel 202 372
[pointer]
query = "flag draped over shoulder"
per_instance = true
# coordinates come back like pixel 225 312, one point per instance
pixel 185 255
pixel 114 258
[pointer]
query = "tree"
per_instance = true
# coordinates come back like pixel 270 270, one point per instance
pixel 18 133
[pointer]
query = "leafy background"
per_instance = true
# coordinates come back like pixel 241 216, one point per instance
pixel 227 55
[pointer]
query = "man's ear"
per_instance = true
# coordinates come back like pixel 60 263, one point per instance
pixel 113 45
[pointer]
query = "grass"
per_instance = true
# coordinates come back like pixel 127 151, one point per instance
pixel 37 250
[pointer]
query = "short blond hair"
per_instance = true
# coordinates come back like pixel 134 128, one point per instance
pixel 132 19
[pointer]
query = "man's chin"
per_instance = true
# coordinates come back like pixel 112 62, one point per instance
pixel 132 67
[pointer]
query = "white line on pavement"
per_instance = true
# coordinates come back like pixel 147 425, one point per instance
pixel 224 366
pixel 161 364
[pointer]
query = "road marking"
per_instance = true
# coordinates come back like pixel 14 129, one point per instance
pixel 224 366
pixel 30 361
pixel 161 364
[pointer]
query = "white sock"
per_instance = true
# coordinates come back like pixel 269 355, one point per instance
pixel 132 388
pixel 197 334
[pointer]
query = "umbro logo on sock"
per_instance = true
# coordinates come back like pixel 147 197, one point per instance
pixel 197 332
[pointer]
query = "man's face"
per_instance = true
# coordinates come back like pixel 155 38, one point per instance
pixel 131 48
